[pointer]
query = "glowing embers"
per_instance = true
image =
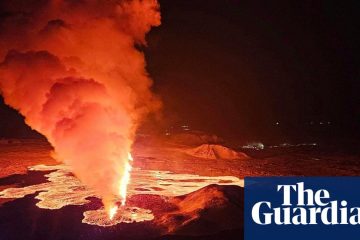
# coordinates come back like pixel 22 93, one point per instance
pixel 64 189
pixel 121 215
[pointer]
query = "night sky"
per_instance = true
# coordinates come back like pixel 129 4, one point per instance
pixel 235 68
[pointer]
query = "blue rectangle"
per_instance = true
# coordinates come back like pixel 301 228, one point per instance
pixel 274 213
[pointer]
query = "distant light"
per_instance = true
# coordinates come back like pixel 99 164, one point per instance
pixel 254 145
pixel 321 123
pixel 277 123
pixel 185 127
pixel 329 123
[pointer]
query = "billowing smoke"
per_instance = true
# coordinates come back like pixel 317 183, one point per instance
pixel 73 70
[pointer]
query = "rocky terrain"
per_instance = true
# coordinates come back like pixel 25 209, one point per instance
pixel 201 196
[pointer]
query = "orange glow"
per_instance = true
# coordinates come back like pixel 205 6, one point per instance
pixel 79 80
pixel 112 212
pixel 130 158
pixel 122 187
pixel 125 180
pixel 63 189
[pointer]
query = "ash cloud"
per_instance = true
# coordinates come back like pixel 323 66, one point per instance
pixel 72 69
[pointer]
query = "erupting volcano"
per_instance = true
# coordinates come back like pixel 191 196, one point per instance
pixel 121 122
pixel 78 78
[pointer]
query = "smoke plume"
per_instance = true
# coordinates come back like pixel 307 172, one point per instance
pixel 73 70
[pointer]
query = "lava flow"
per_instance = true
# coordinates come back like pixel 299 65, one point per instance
pixel 63 189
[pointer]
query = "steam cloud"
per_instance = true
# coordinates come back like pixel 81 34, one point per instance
pixel 72 69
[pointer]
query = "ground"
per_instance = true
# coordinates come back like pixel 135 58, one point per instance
pixel 207 210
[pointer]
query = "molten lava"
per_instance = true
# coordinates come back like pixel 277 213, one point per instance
pixel 112 212
pixel 64 189
pixel 125 180
pixel 122 188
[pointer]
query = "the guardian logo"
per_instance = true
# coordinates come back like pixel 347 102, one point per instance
pixel 299 208
pixel 304 206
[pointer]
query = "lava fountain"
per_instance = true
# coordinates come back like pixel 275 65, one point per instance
pixel 78 78
pixel 125 180
pixel 122 188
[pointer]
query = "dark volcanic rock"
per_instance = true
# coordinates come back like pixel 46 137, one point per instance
pixel 207 211
pixel 213 212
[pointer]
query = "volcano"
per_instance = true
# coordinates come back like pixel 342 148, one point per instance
pixel 214 151
pixel 160 203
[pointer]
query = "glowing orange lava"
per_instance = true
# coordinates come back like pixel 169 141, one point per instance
pixel 64 189
pixel 125 180
pixel 112 212
pixel 122 187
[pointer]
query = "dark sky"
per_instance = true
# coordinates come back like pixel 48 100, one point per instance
pixel 237 67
